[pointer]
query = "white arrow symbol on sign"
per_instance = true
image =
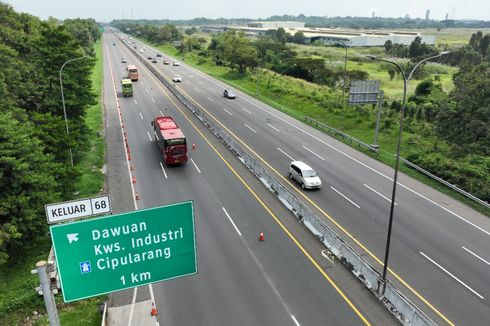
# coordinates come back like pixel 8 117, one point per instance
pixel 72 237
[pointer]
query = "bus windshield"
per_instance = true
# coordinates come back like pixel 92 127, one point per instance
pixel 173 142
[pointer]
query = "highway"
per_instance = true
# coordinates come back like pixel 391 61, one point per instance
pixel 440 250
pixel 240 280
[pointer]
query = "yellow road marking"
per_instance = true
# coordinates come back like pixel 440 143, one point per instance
pixel 312 260
pixel 325 214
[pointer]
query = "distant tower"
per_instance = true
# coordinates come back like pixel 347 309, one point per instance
pixel 373 14
pixel 427 14
pixel 447 16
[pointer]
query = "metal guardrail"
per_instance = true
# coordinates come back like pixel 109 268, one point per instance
pixel 444 182
pixel 412 165
pixel 341 134
pixel 395 302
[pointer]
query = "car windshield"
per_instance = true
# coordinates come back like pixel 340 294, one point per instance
pixel 309 173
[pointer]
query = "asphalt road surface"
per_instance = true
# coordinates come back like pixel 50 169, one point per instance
pixel 440 249
pixel 240 280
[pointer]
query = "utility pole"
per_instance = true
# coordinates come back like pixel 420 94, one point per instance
pixel 49 302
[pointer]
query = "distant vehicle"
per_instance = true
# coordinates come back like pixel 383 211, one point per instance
pixel 127 87
pixel 176 63
pixel 135 47
pixel 149 57
pixel 154 60
pixel 130 37
pixel 177 78
pixel 113 43
pixel 170 139
pixel 305 175
pixel 132 72
pixel 141 51
pixel 228 93
pixel 159 54
pixel 124 60
pixel 144 49
pixel 166 62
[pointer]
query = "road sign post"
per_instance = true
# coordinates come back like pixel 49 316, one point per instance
pixel 116 252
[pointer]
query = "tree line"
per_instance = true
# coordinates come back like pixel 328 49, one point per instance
pixel 35 167
pixel 323 21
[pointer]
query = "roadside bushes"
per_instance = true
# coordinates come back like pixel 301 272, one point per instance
pixel 471 173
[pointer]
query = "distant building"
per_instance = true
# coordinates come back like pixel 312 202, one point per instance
pixel 276 25
pixel 427 14
pixel 351 38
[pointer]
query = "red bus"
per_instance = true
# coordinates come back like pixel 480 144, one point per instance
pixel 170 139
pixel 132 72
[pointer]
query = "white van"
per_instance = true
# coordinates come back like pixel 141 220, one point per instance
pixel 305 175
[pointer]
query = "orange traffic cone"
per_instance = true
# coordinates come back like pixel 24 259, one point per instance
pixel 154 311
pixel 261 236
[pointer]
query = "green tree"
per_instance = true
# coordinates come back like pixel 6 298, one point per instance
pixel 388 45
pixel 298 37
pixel 466 124
pixel 26 180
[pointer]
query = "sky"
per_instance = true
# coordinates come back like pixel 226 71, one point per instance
pixel 107 10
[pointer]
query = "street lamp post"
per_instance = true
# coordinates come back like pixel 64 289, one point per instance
pixel 397 160
pixel 63 100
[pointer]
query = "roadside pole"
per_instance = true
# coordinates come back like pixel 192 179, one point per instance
pixel 41 270
pixel 378 117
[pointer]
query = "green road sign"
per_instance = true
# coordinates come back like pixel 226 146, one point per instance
pixel 116 252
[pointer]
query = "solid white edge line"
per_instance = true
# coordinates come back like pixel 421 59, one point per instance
pixel 131 311
pixel 295 321
pixel 378 193
pixel 149 136
pixel 233 223
pixel 246 110
pixel 163 170
pixel 454 277
pixel 471 252
pixel 152 296
pixel 280 150
pixel 344 197
pixel 210 99
pixel 153 100
pixel 118 109
pixel 346 155
pixel 227 111
pixel 309 150
pixel 135 102
pixel 195 165
pixel 246 125
pixel 273 127
pixel 141 116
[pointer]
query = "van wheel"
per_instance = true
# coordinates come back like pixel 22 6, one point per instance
pixel 291 176
pixel 303 186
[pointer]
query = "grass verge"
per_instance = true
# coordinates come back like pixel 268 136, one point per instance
pixel 353 121
pixel 19 303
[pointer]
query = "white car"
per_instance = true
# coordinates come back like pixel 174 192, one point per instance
pixel 124 60
pixel 176 63
pixel 177 78
pixel 141 50
pixel 305 175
